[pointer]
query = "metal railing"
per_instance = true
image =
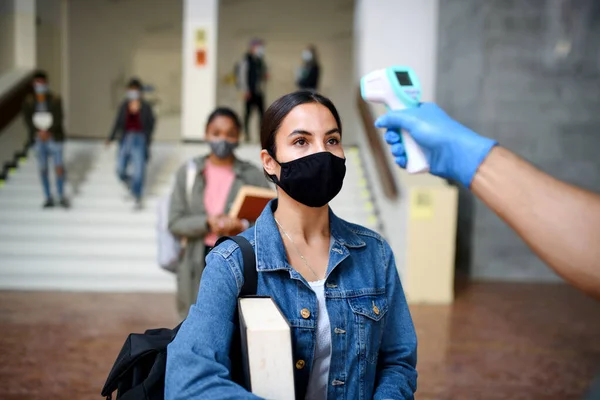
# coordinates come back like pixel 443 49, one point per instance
pixel 384 170
pixel 11 103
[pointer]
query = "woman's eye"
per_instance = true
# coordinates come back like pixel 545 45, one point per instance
pixel 333 142
pixel 300 142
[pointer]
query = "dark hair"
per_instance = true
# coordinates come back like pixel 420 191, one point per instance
pixel 39 74
pixel 281 107
pixel 135 83
pixel 224 112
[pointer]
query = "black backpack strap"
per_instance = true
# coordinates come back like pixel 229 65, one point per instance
pixel 249 261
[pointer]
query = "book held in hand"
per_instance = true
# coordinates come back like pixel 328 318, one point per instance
pixel 266 348
pixel 250 202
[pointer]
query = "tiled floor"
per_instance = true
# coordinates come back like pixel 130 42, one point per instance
pixel 498 341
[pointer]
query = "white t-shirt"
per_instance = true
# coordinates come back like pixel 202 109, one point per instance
pixel 319 375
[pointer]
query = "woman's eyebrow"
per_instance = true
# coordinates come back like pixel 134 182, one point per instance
pixel 303 132
pixel 300 132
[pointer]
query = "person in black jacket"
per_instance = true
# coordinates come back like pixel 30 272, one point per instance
pixel 253 75
pixel 43 115
pixel 308 74
pixel 133 126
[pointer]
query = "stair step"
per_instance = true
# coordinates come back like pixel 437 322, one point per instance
pixel 79 232
pixel 115 218
pixel 80 202
pixel 106 249
pixel 102 244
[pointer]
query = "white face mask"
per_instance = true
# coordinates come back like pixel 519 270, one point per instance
pixel 307 55
pixel 40 88
pixel 260 51
pixel 133 94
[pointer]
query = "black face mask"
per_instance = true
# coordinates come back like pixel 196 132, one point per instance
pixel 313 180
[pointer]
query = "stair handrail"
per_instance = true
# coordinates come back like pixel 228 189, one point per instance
pixel 11 103
pixel 378 150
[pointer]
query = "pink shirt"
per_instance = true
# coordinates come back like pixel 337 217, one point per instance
pixel 219 180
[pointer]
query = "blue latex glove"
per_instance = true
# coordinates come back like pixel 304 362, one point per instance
pixel 452 150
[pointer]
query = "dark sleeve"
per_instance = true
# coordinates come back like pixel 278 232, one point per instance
pixel 311 80
pixel 119 121
pixel 27 112
pixel 59 116
pixel 151 121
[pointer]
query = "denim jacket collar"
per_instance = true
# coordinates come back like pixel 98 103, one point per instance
pixel 270 252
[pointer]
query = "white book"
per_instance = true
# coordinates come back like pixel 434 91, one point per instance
pixel 266 349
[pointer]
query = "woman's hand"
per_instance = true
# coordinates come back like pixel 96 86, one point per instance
pixel 224 225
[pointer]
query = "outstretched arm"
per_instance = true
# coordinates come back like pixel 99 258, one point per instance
pixel 560 222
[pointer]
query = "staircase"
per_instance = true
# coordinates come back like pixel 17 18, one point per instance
pixel 102 244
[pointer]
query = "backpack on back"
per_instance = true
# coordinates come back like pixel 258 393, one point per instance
pixel 139 371
pixel 170 247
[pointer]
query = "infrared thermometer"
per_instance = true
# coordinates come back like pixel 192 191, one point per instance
pixel 398 88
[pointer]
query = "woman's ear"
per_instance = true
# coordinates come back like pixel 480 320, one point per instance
pixel 268 162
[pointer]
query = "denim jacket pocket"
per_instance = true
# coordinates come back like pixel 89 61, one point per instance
pixel 369 316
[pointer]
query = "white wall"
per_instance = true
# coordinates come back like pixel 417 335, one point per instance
pixel 17 35
pixel 287 26
pixel 199 82
pixel 110 41
pixel 25 33
pixel 390 32
pixel 7 36
pixel 401 32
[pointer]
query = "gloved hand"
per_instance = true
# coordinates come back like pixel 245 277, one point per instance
pixel 452 150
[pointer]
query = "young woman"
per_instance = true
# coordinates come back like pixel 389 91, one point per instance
pixel 134 127
pixel 336 282
pixel 308 74
pixel 201 216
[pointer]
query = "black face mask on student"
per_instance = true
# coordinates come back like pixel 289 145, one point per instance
pixel 313 180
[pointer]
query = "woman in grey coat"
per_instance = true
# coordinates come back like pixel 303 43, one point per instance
pixel 200 215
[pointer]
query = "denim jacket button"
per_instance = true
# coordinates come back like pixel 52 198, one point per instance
pixel 305 313
pixel 375 309
pixel 300 364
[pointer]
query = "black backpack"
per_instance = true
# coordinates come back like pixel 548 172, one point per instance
pixel 139 371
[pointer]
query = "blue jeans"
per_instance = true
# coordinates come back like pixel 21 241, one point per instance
pixel 133 149
pixel 44 151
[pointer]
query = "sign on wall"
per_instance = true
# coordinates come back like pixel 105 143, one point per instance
pixel 200 48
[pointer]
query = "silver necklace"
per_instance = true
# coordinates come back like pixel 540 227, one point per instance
pixel 297 250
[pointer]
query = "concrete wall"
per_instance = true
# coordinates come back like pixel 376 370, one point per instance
pixel 110 41
pixel 495 76
pixel 287 26
pixel 7 36
pixel 49 41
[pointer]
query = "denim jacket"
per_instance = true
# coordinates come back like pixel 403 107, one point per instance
pixel 373 341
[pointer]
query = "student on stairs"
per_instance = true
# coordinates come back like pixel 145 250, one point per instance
pixel 201 216
pixel 133 126
pixel 43 116
pixel 335 282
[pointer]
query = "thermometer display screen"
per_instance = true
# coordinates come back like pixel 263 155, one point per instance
pixel 403 78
